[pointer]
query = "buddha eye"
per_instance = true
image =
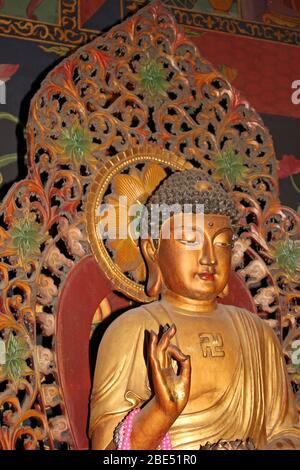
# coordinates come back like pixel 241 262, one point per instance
pixel 223 241
pixel 223 244
pixel 188 240
pixel 189 237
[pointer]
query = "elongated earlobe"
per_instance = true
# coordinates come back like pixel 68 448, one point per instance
pixel 154 281
pixel 224 292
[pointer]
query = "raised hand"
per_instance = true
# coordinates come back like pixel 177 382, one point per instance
pixel 171 387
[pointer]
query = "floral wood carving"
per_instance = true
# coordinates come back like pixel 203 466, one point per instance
pixel 143 82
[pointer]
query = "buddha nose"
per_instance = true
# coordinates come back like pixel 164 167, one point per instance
pixel 207 255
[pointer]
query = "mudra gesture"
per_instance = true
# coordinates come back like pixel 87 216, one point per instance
pixel 216 372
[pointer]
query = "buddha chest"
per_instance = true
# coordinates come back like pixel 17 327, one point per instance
pixel 214 347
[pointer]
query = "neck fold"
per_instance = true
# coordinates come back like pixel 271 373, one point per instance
pixel 179 301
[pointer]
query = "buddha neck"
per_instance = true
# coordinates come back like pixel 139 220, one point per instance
pixel 185 303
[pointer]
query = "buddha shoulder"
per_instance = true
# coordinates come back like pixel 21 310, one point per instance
pixel 257 321
pixel 248 320
pixel 132 322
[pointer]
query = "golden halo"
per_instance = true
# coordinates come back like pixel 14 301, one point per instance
pixel 121 261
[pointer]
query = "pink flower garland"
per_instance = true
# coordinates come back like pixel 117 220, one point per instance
pixel 126 430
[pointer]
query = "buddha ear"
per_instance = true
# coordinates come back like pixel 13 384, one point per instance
pixel 154 281
pixel 224 292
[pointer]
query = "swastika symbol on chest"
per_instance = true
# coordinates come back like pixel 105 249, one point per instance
pixel 211 344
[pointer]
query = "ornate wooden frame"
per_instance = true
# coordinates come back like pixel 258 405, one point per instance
pixel 144 81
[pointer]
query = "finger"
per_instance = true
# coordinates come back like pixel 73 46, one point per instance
pixel 166 338
pixel 152 351
pixel 185 369
pixel 163 345
pixel 175 353
pixel 157 378
pixel 184 361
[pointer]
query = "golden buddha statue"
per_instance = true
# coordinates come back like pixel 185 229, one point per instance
pixel 202 371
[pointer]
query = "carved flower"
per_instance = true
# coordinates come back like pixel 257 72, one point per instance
pixel 152 78
pixel 73 236
pixel 230 168
pixel 45 360
pixel 240 247
pixel 75 144
pixel 265 298
pixel 287 255
pixel 56 260
pixel 26 237
pixel 59 429
pixel 51 395
pixel 46 290
pixel 255 271
pixel 17 351
pixel 136 186
pixel 47 323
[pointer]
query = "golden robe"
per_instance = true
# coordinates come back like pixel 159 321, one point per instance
pixel 258 403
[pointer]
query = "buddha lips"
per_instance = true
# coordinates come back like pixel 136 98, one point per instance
pixel 207 276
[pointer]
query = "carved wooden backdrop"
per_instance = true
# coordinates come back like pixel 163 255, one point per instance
pixel 143 81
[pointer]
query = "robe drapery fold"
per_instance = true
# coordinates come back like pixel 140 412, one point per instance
pixel 257 404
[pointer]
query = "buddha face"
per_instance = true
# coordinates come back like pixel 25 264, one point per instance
pixel 197 263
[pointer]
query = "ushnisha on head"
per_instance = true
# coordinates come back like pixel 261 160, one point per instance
pixel 189 256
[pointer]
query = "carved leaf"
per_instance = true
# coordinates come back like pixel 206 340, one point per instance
pixel 287 255
pixel 17 351
pixel 230 168
pixel 152 78
pixel 26 237
pixel 76 145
